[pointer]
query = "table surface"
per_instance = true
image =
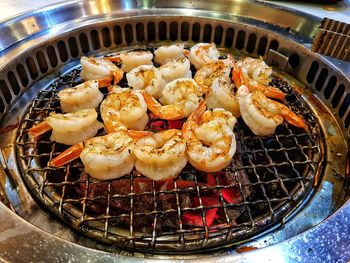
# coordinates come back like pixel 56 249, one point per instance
pixel 339 11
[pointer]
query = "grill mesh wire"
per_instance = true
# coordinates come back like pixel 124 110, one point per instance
pixel 270 175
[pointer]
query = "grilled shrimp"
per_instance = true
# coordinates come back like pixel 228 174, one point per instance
pixel 176 69
pixel 84 96
pixel 108 157
pixel 161 155
pixel 241 78
pixel 100 69
pixel 263 115
pixel 71 128
pixel 206 74
pixel 134 59
pixel 124 109
pixel 164 54
pixel 202 54
pixel 148 78
pixel 221 95
pixel 210 140
pixel 179 99
pixel 256 69
pixel 74 151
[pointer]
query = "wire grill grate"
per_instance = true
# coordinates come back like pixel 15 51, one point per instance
pixel 266 180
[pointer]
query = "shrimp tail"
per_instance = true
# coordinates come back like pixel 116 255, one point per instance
pixel 136 135
pixel 193 120
pixel 115 59
pixel 237 76
pixel 186 53
pixel 104 82
pixel 270 92
pixel 196 115
pixel 167 112
pixel 292 118
pixel 39 129
pixel 118 75
pixel 239 79
pixel 68 155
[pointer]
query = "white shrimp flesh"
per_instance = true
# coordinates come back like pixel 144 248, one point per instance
pixel 72 128
pixel 202 54
pixel 262 115
pixel 256 69
pixel 124 108
pixel 83 96
pixel 222 95
pixel 206 74
pixel 133 59
pixel 161 155
pixel 164 54
pixel 108 157
pixel 148 78
pixel 179 99
pixel 176 69
pixel 210 140
pixel 99 68
pixel 183 92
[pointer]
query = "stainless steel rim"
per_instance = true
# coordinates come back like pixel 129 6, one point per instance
pixel 333 92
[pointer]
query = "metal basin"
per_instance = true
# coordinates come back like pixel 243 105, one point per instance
pixel 39 45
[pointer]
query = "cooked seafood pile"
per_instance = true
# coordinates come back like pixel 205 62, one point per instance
pixel 202 108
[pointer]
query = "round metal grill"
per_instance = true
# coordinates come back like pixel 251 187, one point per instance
pixel 267 178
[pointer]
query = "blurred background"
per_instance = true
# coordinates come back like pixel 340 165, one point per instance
pixel 339 10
